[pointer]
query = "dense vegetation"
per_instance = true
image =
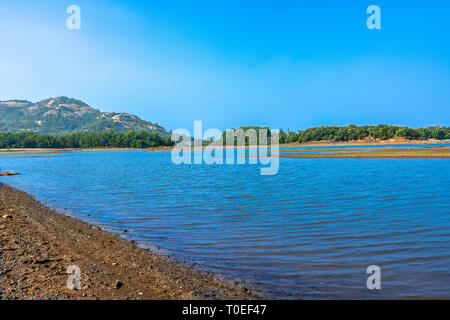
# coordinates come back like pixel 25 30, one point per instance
pixel 244 133
pixel 144 139
pixel 110 139
pixel 353 132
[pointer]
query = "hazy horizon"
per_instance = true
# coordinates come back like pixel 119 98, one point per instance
pixel 283 65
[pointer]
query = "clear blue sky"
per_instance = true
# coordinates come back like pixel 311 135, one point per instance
pixel 287 64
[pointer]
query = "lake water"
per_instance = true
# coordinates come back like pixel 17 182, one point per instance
pixel 308 232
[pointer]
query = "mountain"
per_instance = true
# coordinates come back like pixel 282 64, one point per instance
pixel 64 115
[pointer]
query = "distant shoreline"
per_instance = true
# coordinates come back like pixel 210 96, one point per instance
pixel 18 151
pixel 13 151
pixel 363 143
pixel 38 244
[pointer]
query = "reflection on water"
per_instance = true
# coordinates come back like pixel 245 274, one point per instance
pixel 309 231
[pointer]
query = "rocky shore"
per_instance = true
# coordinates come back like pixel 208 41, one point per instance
pixel 38 245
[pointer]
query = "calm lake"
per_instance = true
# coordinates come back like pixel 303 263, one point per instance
pixel 310 231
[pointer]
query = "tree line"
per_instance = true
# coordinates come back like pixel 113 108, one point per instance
pixel 245 133
pixel 354 132
pixel 143 139
pixel 108 139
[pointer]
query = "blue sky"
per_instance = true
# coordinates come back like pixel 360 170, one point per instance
pixel 286 64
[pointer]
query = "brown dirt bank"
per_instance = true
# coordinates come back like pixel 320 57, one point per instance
pixel 57 151
pixel 38 244
pixel 377 148
pixel 428 153
pixel 410 153
pixel 163 148
pixel 362 143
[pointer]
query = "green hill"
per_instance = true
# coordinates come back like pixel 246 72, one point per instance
pixel 65 115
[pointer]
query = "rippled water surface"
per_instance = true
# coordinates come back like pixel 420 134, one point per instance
pixel 308 232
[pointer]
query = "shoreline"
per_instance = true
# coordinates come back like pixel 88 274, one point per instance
pixel 38 244
pixel 363 143
pixel 19 151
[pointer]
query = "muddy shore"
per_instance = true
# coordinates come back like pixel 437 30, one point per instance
pixel 22 151
pixel 38 244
